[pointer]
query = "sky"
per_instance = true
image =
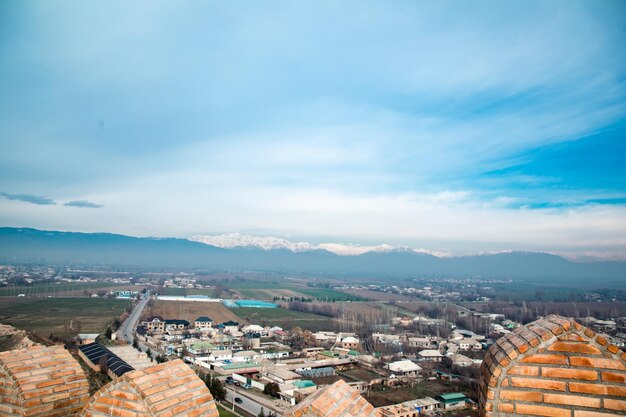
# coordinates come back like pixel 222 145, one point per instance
pixel 463 127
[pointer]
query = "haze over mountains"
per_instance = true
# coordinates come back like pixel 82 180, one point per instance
pixel 24 245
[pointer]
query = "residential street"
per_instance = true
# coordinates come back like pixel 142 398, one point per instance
pixel 127 328
pixel 253 403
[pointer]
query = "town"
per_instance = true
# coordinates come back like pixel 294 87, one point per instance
pixel 403 349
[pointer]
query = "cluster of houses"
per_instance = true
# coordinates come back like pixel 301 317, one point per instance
pixel 254 356
pixel 435 349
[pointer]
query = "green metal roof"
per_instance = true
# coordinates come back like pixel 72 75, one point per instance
pixel 303 383
pixel 454 396
pixel 240 365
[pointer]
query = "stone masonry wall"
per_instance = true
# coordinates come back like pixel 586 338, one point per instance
pixel 553 367
pixel 41 381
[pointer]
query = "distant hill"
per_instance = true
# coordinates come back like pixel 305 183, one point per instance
pixel 24 245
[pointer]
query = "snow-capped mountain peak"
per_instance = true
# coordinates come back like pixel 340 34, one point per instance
pixel 237 240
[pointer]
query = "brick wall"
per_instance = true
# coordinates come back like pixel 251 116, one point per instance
pixel 41 381
pixel 170 389
pixel 553 367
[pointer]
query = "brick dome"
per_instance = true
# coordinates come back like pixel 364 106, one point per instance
pixel 170 389
pixel 553 367
pixel 41 381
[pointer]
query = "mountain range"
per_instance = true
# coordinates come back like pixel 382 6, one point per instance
pixel 237 240
pixel 25 245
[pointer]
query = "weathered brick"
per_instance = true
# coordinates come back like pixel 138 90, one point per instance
pixel 572 337
pixel 524 370
pixel 604 363
pixel 510 395
pixel 598 389
pixel 585 413
pixel 613 349
pixel 575 400
pixel 546 359
pixel 569 373
pixel 601 340
pixel 574 347
pixel 613 404
pixel 545 384
pixel 614 377
pixel 539 410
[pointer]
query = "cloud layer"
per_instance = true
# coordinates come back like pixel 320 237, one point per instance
pixel 28 198
pixel 83 204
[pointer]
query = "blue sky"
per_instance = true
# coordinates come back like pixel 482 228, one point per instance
pixel 453 126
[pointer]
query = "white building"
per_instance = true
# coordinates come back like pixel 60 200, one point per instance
pixel 431 355
pixel 461 360
pixel 404 368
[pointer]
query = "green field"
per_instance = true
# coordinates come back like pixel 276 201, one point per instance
pixel 286 319
pixel 253 284
pixel 59 290
pixel 269 290
pixel 48 315
pixel 329 295
pixel 256 294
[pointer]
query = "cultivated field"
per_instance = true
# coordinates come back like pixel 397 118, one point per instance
pixel 269 290
pixel 80 289
pixel 380 296
pixel 269 294
pixel 361 307
pixel 48 315
pixel 327 294
pixel 287 319
pixel 189 310
pixel 343 309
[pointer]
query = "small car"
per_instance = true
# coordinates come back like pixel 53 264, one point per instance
pixel 247 386
pixel 238 400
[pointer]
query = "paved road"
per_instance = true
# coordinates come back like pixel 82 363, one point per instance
pixel 129 325
pixel 249 402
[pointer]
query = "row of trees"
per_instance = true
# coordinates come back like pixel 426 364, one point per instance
pixel 293 299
